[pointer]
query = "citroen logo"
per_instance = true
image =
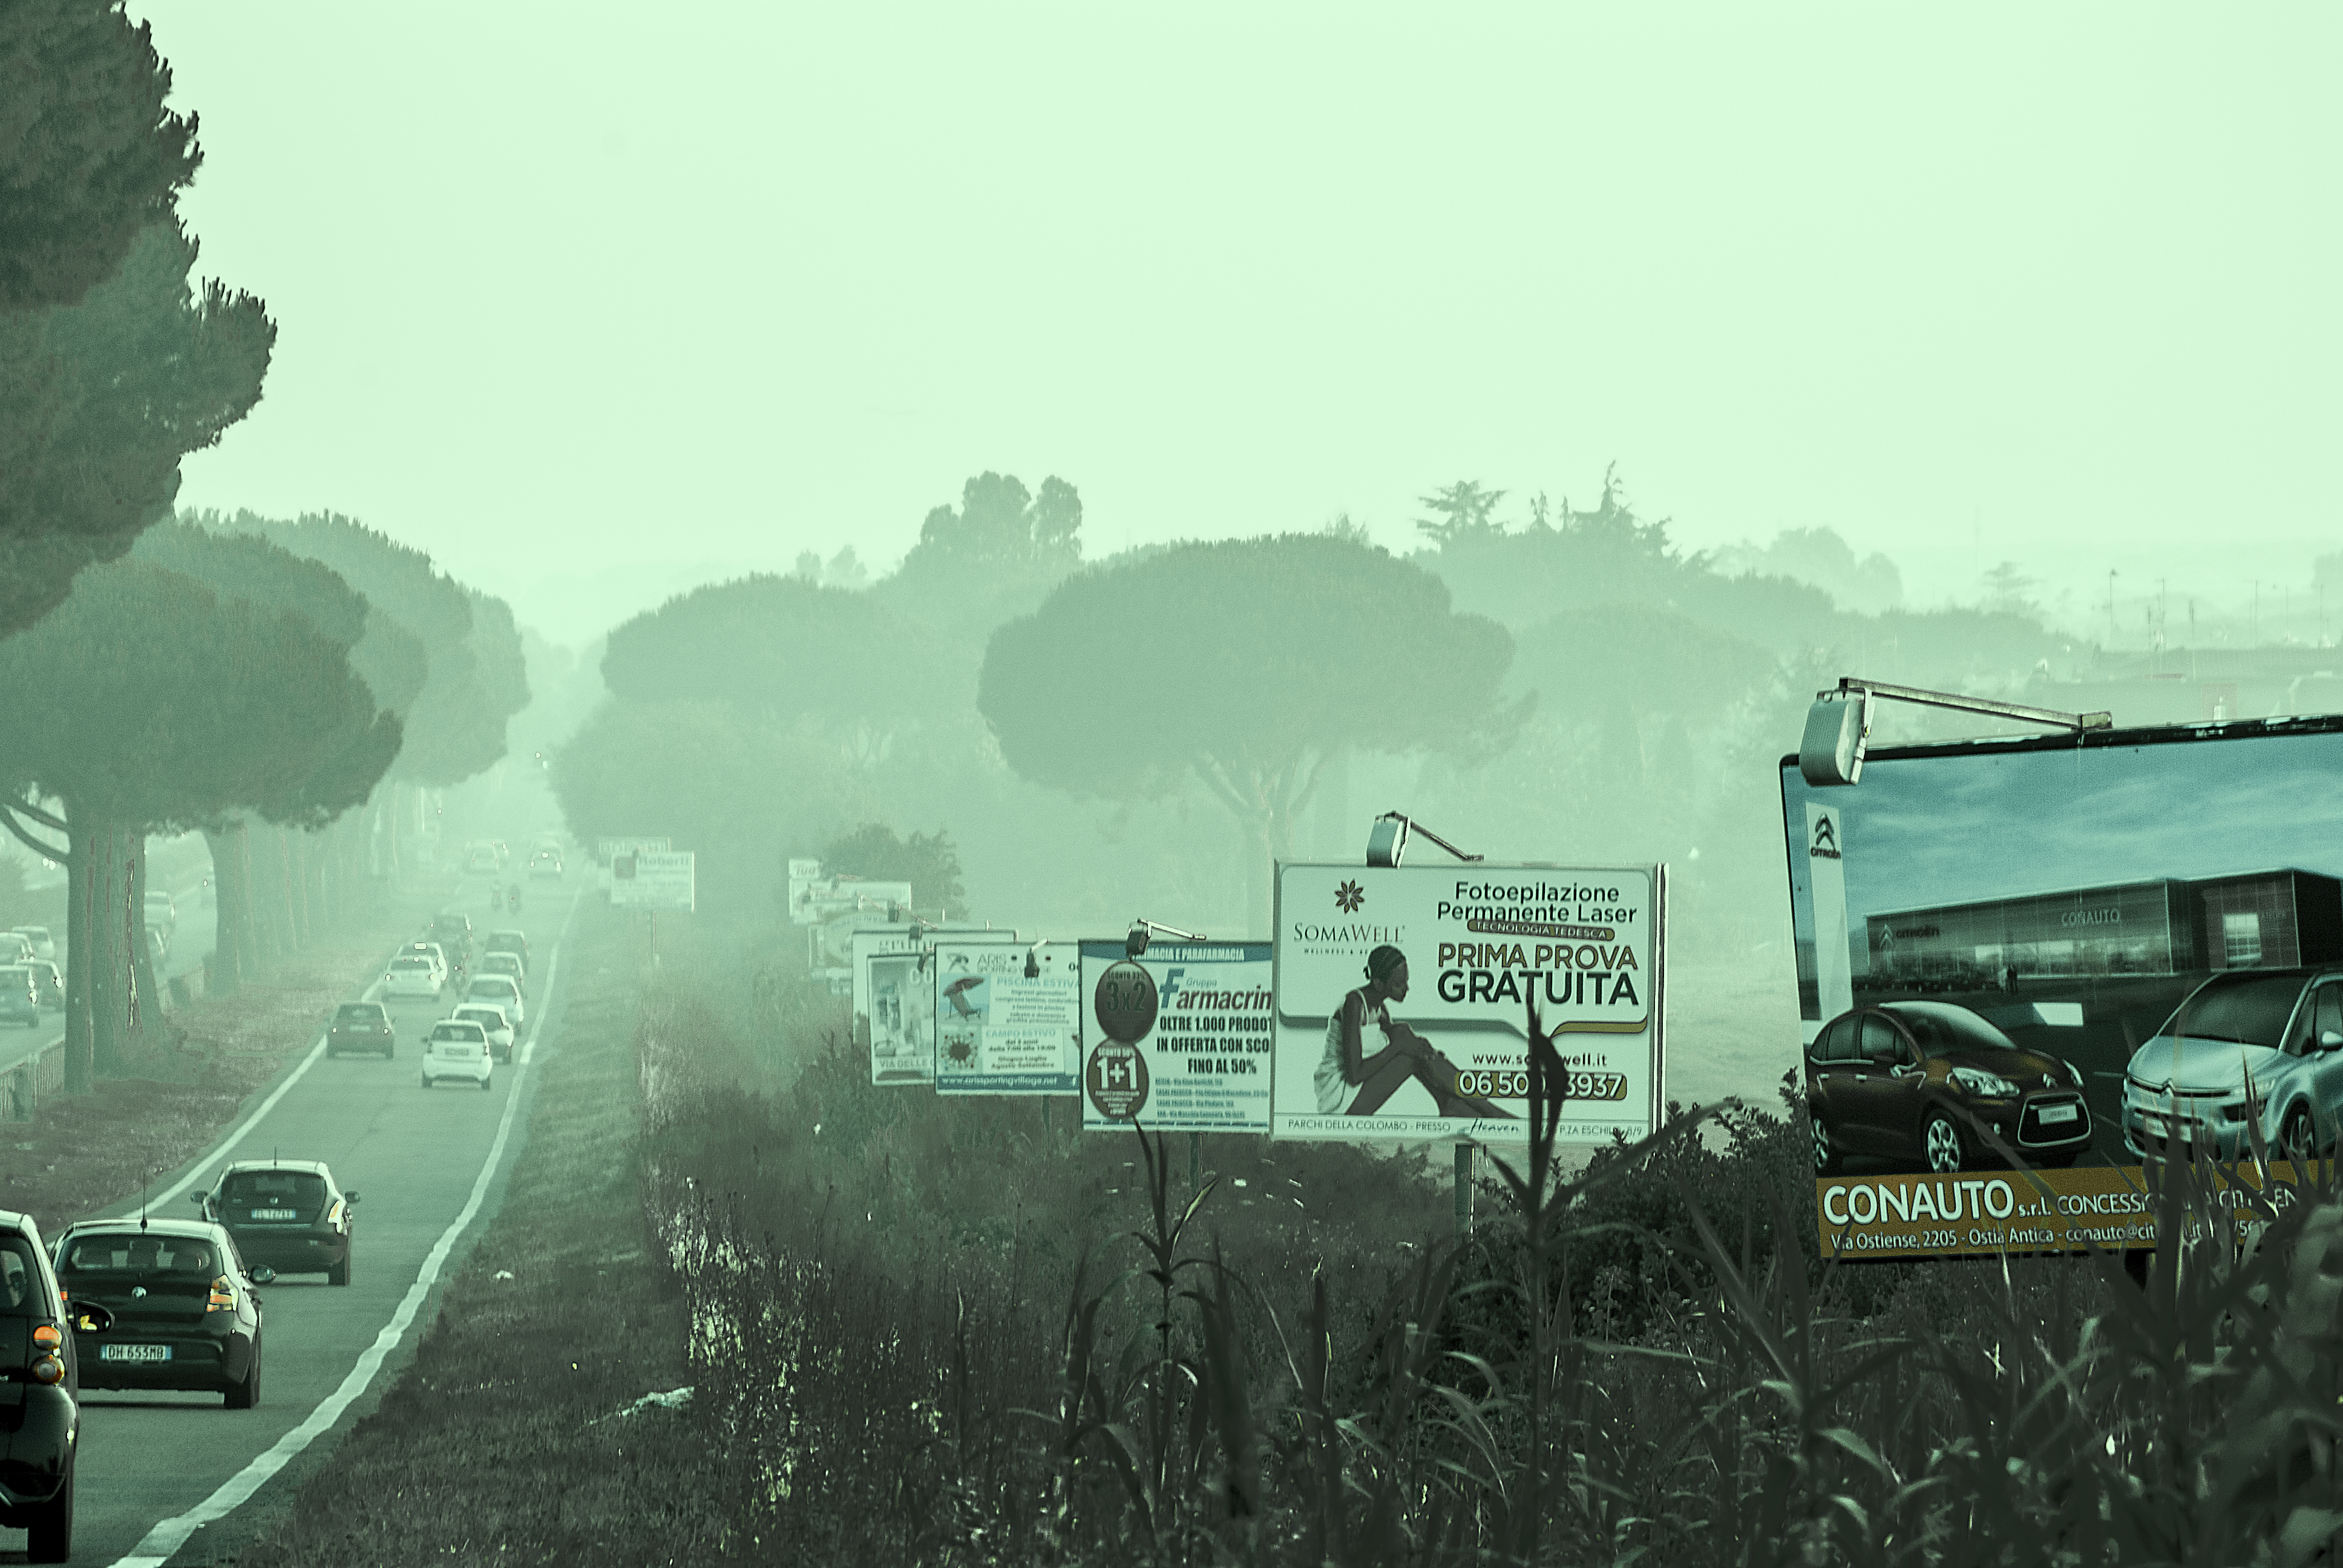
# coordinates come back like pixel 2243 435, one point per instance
pixel 137 1290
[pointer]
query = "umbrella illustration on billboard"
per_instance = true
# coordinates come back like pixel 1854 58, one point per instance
pixel 957 994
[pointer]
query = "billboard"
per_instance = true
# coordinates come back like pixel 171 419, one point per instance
pixel 2003 934
pixel 894 994
pixel 654 879
pixel 999 1030
pixel 1404 995
pixel 1177 1039
pixel 606 850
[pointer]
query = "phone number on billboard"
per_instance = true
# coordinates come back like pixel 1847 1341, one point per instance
pixel 1513 1083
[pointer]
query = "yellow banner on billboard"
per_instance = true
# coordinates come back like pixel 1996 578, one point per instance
pixel 1986 1213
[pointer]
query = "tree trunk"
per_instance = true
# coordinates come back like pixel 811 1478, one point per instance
pixel 232 959
pixel 145 985
pixel 297 883
pixel 109 967
pixel 267 917
pixel 80 902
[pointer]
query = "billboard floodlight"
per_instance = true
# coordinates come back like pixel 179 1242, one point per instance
pixel 1838 725
pixel 1141 927
pixel 1387 840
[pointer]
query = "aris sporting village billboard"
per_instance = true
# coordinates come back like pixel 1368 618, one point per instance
pixel 2099 949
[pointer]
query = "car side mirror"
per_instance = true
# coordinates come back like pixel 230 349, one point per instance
pixel 90 1318
pixel 197 1197
pixel 349 1197
pixel 261 1275
pixel 2329 1040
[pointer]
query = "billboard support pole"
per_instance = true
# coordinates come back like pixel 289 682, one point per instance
pixel 1464 1189
pixel 1195 1161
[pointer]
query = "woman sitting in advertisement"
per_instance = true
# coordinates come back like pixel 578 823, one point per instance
pixel 1368 1049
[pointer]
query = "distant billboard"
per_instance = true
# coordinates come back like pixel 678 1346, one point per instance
pixel 1177 1039
pixel 1404 993
pixel 2098 947
pixel 655 879
pixel 893 997
pixel 999 1030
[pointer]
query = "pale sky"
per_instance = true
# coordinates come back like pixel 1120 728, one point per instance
pixel 593 301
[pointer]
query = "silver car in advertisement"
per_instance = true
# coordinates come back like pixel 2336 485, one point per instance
pixel 2248 1047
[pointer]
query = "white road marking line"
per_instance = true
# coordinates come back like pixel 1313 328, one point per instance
pixel 167 1537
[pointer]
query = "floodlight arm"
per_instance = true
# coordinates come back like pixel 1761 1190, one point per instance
pixel 1156 926
pixel 1387 840
pixel 1838 725
pixel 1851 685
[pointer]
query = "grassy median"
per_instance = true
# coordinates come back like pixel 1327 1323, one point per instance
pixel 509 1438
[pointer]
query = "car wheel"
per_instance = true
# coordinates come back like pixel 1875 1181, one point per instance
pixel 1825 1157
pixel 484 1086
pixel 49 1528
pixel 2297 1138
pixel 1940 1141
pixel 339 1274
pixel 427 1080
pixel 246 1394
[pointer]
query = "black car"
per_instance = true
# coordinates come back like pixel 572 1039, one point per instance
pixel 286 1213
pixel 184 1311
pixel 513 942
pixel 360 1026
pixel 40 1391
pixel 1911 1082
pixel 454 935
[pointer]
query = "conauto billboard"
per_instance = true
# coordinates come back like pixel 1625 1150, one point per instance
pixel 1404 992
pixel 2091 950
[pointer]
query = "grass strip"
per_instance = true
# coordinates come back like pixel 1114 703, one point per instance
pixel 509 1438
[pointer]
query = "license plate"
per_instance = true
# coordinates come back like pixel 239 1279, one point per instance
pixel 2051 1113
pixel 276 1213
pixel 134 1352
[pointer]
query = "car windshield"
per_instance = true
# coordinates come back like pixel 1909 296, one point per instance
pixel 493 985
pixel 1939 1029
pixel 2245 1010
pixel 470 1031
pixel 487 1017
pixel 273 1190
pixel 141 1252
pixel 359 1012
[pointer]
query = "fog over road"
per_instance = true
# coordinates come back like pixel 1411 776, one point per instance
pixel 414 1156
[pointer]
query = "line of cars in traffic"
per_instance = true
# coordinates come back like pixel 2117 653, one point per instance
pixel 491 1008
pixel 33 982
pixel 147 1303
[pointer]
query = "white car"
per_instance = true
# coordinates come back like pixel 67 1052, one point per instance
pixel 45 946
pixel 456 1049
pixel 432 950
pixel 493 1022
pixel 413 975
pixel 500 991
pixel 503 963
pixel 16 947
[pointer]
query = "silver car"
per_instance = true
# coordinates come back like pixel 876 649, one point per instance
pixel 2248 1047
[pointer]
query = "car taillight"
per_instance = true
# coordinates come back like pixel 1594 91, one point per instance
pixel 48 1336
pixel 223 1297
pixel 334 1212
pixel 48 1370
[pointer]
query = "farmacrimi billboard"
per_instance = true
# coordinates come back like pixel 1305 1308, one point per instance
pixel 1177 1039
pixel 2101 947
pixel 1404 996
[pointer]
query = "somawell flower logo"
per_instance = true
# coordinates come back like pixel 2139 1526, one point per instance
pixel 1349 896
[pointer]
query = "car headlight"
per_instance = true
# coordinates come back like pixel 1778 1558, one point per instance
pixel 1978 1082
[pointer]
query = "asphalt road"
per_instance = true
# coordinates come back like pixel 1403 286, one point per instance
pixel 418 1159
